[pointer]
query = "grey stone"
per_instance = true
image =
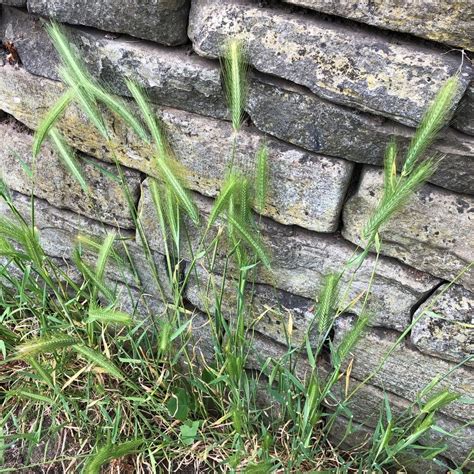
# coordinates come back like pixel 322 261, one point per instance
pixel 293 114
pixel 59 231
pixel 50 180
pixel 14 3
pixel 304 189
pixel 163 21
pixel 446 328
pixel 283 317
pixel 406 371
pixel 170 77
pixel 300 260
pixel 445 22
pixel 343 63
pixel 433 232
pixel 464 117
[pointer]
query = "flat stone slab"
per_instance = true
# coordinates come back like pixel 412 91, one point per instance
pixel 300 259
pixel 163 21
pixel 446 329
pixel 171 77
pixel 434 231
pixel 297 116
pixel 407 371
pixel 346 64
pixel 49 179
pixel 445 22
pixel 305 189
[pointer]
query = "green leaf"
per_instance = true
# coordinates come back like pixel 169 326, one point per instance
pixel 178 405
pixel 188 432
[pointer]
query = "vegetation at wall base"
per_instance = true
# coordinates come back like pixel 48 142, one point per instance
pixel 88 382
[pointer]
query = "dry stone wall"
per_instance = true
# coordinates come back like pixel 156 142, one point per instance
pixel 331 84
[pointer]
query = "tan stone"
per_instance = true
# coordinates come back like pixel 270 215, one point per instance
pixel 434 231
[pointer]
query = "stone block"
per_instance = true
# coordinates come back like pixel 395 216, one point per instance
pixel 163 21
pixel 446 328
pixel 432 232
pixel 464 118
pixel 170 77
pixel 407 371
pixel 346 64
pixel 297 116
pixel 49 179
pixel 304 189
pixel 445 22
pixel 300 260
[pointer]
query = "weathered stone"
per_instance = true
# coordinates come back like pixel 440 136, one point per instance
pixel 59 230
pixel 464 117
pixel 445 22
pixel 433 232
pixel 304 189
pixel 14 3
pixel 293 114
pixel 407 371
pixel 163 21
pixel 49 179
pixel 300 259
pixel 269 310
pixel 170 77
pixel 345 64
pixel 446 328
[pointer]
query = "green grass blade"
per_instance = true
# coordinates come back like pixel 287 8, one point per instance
pixel 104 253
pixel 99 360
pixel 251 239
pixel 227 190
pixel 170 178
pixel 50 119
pixel 67 156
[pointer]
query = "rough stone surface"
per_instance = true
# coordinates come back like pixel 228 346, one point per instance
pixel 446 22
pixel 171 77
pixel 433 232
pixel 270 309
pixel 300 260
pixel 295 115
pixel 52 181
pixel 305 189
pixel 163 21
pixel 352 66
pixel 15 3
pixel 446 329
pixel 59 230
pixel 464 117
pixel 407 371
